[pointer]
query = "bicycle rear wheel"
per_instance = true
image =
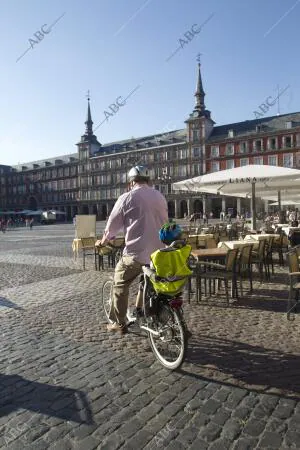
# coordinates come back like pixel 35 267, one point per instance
pixel 170 346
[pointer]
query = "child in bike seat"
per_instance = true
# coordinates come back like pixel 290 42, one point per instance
pixel 171 263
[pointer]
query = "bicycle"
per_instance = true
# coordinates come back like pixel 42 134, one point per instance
pixel 162 318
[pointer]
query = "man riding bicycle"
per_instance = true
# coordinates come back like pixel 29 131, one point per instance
pixel 139 214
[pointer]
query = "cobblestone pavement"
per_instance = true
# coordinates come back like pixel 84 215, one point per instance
pixel 67 384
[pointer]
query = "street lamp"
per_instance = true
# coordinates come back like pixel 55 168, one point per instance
pixel 164 178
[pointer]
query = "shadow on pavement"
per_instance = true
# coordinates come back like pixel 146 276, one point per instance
pixel 248 366
pixel 54 401
pixel 8 304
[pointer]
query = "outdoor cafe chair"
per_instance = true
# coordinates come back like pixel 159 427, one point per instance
pixel 269 256
pixel 294 275
pixel 112 251
pixel 259 258
pixel 221 273
pixel 88 248
pixel 279 246
pixel 294 238
pixel 193 241
pixel 210 243
pixel 244 266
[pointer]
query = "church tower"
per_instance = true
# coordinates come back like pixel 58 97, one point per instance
pixel 199 128
pixel 88 144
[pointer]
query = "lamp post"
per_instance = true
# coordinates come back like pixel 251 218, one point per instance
pixel 165 179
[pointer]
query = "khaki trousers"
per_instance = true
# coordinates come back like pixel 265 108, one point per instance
pixel 126 271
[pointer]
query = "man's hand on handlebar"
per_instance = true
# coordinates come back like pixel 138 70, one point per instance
pixel 102 242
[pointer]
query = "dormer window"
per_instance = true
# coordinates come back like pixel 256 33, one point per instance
pixel 288 125
pixel 230 133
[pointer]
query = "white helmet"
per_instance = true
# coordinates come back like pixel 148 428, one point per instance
pixel 138 173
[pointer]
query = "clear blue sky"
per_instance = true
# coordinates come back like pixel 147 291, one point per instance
pixel 112 46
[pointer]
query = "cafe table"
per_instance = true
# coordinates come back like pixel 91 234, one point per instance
pixel 209 253
pixel 286 229
pixel 260 237
pixel 236 244
pixel 202 236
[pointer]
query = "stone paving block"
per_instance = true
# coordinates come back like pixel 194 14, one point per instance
pixel 254 427
pixel 56 433
pixel 271 440
pixel 221 416
pixel 150 411
pixel 188 435
pixel 245 443
pixel 232 428
pixel 211 406
pixel 88 443
pixel 210 432
pixel 82 431
pixel 292 439
pixel 221 444
pixel 200 419
pixel 130 428
pixel 158 423
pixel 221 395
pixel 242 412
pixel 294 422
pixel 199 444
pixel 235 397
pixel 284 409
pixel 175 445
pixel 140 440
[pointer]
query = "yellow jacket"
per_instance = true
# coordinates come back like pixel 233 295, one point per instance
pixel 170 264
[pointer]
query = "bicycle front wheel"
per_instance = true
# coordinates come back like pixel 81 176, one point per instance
pixel 107 298
pixel 107 291
pixel 170 346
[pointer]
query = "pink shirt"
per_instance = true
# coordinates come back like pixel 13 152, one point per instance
pixel 139 214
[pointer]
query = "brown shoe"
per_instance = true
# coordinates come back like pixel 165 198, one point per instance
pixel 122 328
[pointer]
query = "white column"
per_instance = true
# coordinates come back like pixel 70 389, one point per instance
pixel 189 206
pixel 204 204
pixel 224 204
pixel 266 206
pixel 176 209
pixel 238 205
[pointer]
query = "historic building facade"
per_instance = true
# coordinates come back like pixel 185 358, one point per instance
pixel 90 180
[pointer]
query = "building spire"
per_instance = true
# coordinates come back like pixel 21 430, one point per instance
pixel 89 137
pixel 199 94
pixel 89 122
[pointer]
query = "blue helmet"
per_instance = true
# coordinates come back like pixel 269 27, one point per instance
pixel 170 232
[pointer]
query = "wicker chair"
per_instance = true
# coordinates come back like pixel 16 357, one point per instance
pixel 112 251
pixel 88 248
pixel 279 246
pixel 259 259
pixel 294 274
pixel 244 266
pixel 220 273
